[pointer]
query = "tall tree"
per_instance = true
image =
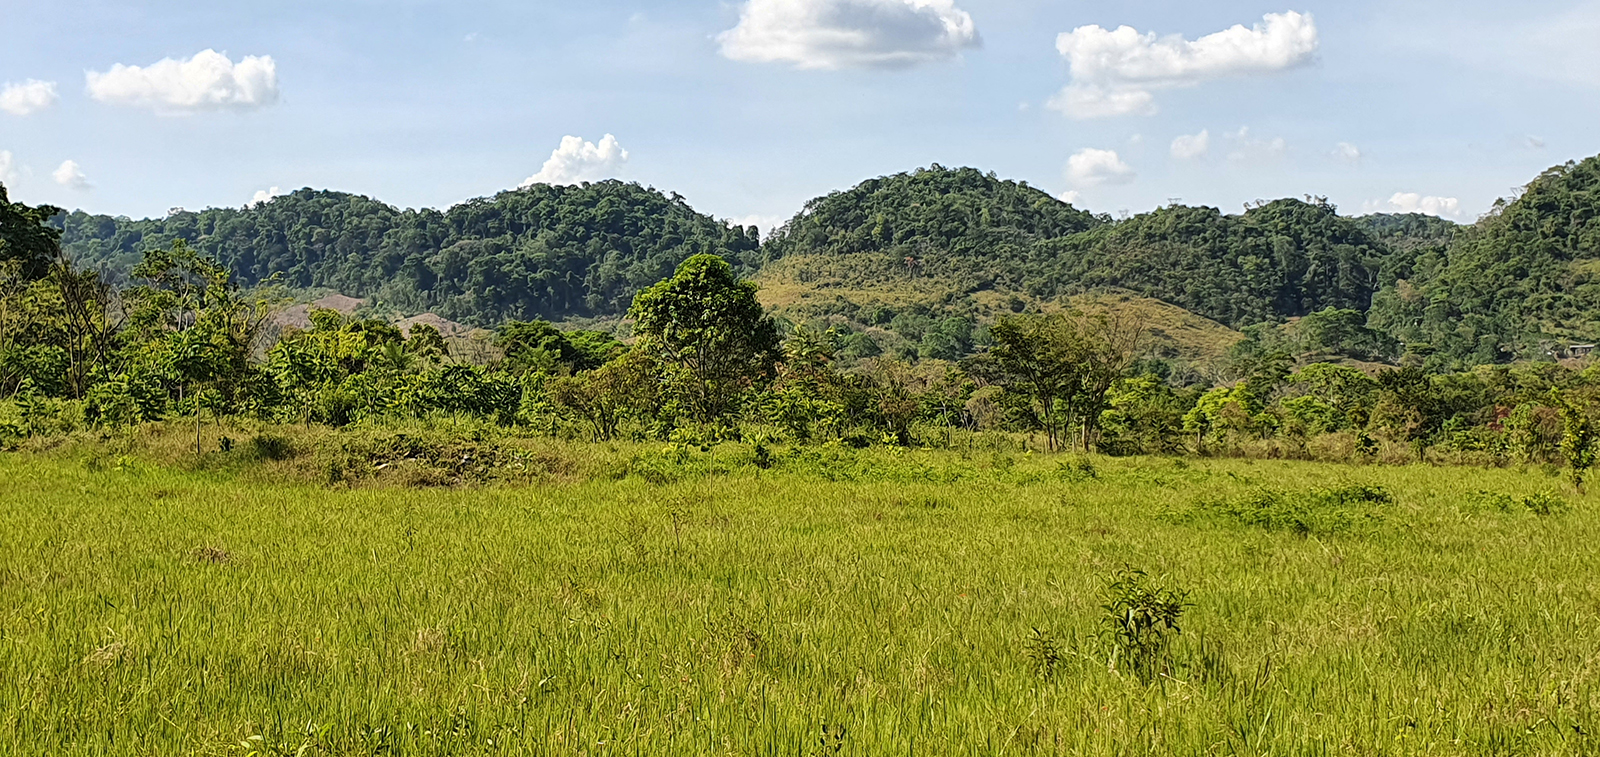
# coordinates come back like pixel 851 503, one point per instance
pixel 1040 354
pixel 26 238
pixel 710 326
pixel 1067 363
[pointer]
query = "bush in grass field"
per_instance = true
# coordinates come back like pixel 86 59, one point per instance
pixel 1312 512
pixel 431 457
pixel 1139 621
pixel 1541 504
pixel 269 447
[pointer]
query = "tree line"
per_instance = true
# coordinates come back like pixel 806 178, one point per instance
pixel 182 340
pixel 1514 286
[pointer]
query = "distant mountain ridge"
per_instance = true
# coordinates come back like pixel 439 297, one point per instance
pixel 539 252
pixel 956 242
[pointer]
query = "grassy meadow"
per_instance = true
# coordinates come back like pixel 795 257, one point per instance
pixel 780 602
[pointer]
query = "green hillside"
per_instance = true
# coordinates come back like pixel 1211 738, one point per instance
pixel 539 252
pixel 935 223
pixel 926 247
pixel 1522 282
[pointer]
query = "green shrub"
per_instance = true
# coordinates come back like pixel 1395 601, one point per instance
pixel 269 447
pixel 1139 621
pixel 1542 504
pixel 1317 511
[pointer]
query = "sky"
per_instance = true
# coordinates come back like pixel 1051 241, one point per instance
pixel 749 108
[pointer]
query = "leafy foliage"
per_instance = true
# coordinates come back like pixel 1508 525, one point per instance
pixel 931 222
pixel 539 252
pixel 708 324
pixel 1523 280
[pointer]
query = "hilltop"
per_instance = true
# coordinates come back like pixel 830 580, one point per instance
pixel 538 252
pixel 917 263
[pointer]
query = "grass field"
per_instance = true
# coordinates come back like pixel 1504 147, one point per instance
pixel 869 603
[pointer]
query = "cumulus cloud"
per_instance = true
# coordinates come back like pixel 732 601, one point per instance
pixel 27 98
pixel 8 167
pixel 1192 146
pixel 1115 72
pixel 1071 197
pixel 263 196
pixel 833 34
pixel 1090 167
pixel 208 81
pixel 1248 148
pixel 577 161
pixel 71 176
pixel 1412 202
pixel 1088 101
pixel 1347 152
pixel 766 224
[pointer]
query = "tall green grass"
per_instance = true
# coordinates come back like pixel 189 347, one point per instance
pixel 835 602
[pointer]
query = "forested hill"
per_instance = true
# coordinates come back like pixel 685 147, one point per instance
pixel 933 221
pixel 540 252
pixel 1519 283
pixel 1516 284
pixel 964 232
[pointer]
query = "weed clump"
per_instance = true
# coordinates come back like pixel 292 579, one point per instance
pixel 1043 654
pixel 269 447
pixel 427 460
pixel 212 555
pixel 1317 511
pixel 1077 470
pixel 1541 504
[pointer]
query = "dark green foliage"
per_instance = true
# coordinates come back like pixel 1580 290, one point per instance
pixel 708 324
pixel 1410 231
pixel 1143 415
pixel 269 447
pixel 929 222
pixel 539 346
pixel 1541 504
pixel 26 242
pixel 538 252
pixel 1139 621
pixel 1519 282
pixel 1286 258
pixel 1345 332
pixel 1315 512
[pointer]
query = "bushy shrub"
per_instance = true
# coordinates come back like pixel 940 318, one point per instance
pixel 1138 622
pixel 1317 511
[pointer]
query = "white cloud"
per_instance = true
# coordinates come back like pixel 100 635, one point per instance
pixel 1192 146
pixel 1071 197
pixel 577 161
pixel 263 196
pixel 767 224
pixel 1115 72
pixel 208 81
pixel 1251 149
pixel 1086 101
pixel 833 34
pixel 1091 168
pixel 1412 202
pixel 1347 152
pixel 27 98
pixel 8 167
pixel 70 175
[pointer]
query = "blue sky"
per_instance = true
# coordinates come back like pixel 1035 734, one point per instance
pixel 750 108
